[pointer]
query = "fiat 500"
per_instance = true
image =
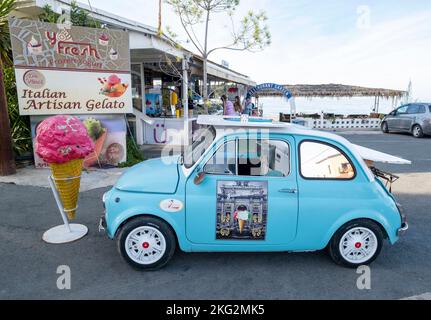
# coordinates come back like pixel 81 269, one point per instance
pixel 258 186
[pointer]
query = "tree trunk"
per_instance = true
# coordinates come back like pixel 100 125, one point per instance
pixel 7 161
pixel 205 82
pixel 160 18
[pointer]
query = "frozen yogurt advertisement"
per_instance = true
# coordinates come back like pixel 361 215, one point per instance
pixel 63 69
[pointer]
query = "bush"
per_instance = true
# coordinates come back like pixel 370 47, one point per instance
pixel 134 155
pixel 20 125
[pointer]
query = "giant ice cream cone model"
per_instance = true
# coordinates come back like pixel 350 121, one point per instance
pixel 63 142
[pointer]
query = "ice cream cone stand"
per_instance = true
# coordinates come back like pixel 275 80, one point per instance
pixel 75 84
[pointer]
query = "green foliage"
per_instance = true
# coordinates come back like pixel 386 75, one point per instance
pixel 78 16
pixel 134 155
pixel 252 34
pixel 6 6
pixel 20 126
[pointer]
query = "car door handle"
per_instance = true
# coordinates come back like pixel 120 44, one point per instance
pixel 292 191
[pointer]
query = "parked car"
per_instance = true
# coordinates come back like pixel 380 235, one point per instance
pixel 259 186
pixel 414 118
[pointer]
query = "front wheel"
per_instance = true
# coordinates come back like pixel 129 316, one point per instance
pixel 385 127
pixel 146 243
pixel 357 243
pixel 417 131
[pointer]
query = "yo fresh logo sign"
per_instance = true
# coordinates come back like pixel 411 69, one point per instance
pixel 34 79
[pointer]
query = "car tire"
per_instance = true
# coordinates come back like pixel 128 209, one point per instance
pixel 357 243
pixel 146 243
pixel 417 131
pixel 385 127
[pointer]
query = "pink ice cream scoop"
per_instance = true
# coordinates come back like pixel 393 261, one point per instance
pixel 61 138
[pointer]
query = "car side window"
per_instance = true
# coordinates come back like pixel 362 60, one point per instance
pixel 402 110
pixel 413 109
pixel 422 109
pixel 429 107
pixel 263 157
pixel 319 160
pixel 251 157
pixel 223 162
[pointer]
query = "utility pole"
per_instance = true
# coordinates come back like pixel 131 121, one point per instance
pixel 7 161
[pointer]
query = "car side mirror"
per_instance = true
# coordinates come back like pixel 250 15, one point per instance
pixel 200 177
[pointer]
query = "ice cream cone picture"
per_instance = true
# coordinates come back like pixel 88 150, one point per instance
pixel 243 216
pixel 104 39
pixel 112 87
pixel 98 134
pixel 63 142
pixel 113 54
pixel 34 47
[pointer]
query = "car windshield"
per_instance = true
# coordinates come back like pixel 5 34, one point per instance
pixel 205 137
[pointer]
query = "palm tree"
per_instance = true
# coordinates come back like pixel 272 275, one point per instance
pixel 7 162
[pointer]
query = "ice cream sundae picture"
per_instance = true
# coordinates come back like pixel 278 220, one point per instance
pixel 113 54
pixel 104 39
pixel 112 86
pixel 34 47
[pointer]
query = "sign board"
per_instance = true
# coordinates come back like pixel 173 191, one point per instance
pixel 63 69
pixel 108 133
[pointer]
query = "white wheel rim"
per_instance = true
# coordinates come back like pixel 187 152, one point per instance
pixel 358 245
pixel 417 131
pixel 145 245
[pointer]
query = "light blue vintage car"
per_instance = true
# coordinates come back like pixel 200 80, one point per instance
pixel 255 186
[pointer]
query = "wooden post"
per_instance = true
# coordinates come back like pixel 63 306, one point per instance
pixel 7 161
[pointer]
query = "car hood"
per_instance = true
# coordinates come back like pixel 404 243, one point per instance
pixel 151 176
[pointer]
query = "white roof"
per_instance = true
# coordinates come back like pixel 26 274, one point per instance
pixel 361 153
pixel 377 156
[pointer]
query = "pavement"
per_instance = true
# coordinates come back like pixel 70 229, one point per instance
pixel 28 267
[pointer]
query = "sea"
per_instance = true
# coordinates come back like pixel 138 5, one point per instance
pixel 273 106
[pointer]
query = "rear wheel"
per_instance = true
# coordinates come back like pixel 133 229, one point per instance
pixel 385 127
pixel 357 243
pixel 417 131
pixel 146 243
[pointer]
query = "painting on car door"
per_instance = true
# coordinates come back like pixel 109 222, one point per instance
pixel 242 208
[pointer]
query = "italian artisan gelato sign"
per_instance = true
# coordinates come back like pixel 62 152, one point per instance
pixel 73 70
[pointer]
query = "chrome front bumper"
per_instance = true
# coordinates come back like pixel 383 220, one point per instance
pixel 102 224
pixel 404 227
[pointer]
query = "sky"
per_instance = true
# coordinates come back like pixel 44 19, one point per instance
pixel 376 43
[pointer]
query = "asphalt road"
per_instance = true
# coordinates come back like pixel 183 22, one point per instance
pixel 28 266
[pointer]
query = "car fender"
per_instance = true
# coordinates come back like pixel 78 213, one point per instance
pixel 361 214
pixel 172 219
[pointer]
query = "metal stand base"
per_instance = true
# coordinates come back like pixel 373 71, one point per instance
pixel 67 232
pixel 61 234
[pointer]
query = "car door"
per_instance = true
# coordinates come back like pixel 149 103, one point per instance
pixel 331 185
pixel 409 119
pixel 400 118
pixel 248 194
